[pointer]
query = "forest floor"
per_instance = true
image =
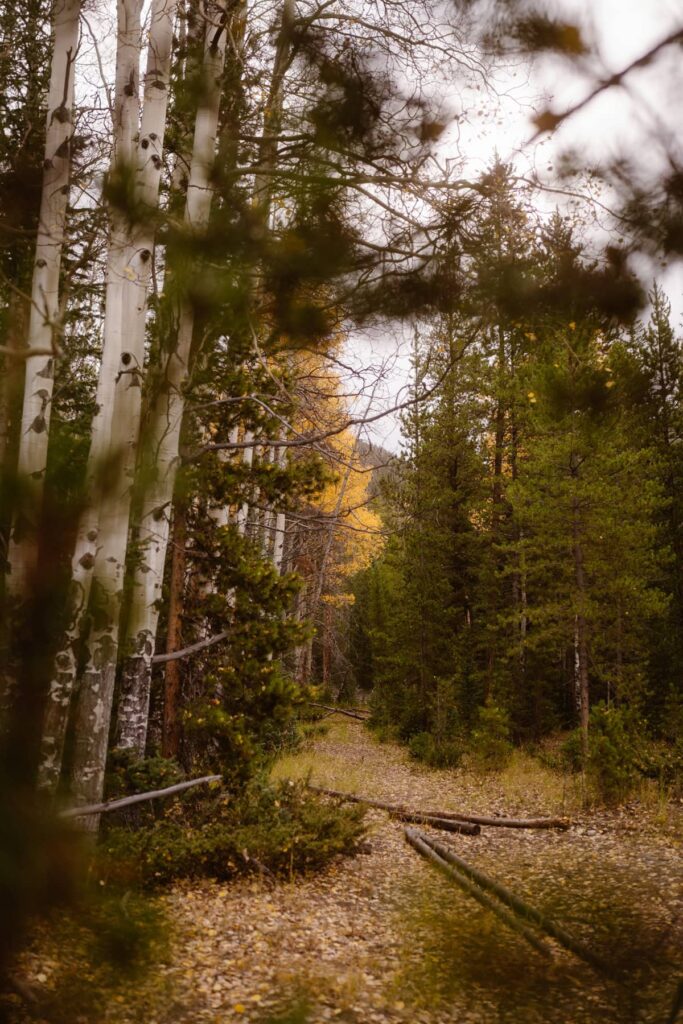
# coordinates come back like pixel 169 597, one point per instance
pixel 382 937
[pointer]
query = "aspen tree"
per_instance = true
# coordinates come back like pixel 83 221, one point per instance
pixel 136 155
pixel 104 526
pixel 167 414
pixel 43 329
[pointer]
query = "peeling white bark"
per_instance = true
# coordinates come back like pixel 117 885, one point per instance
pixel 43 329
pixel 118 393
pixel 280 522
pixel 99 558
pixel 167 414
pixel 247 458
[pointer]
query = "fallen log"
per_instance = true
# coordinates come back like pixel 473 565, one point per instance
pixel 450 815
pixel 520 907
pixel 561 823
pixel 465 828
pixel 338 711
pixel 418 842
pixel 403 814
pixel 137 798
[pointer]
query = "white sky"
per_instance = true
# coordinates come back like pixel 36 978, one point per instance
pixel 620 120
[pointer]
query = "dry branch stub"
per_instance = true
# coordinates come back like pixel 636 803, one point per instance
pixel 403 814
pixel 419 843
pixel 516 904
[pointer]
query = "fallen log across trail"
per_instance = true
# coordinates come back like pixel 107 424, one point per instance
pixel 399 810
pixel 419 843
pixel 465 828
pixel 360 716
pixel 519 906
pixel 138 798
pixel 561 823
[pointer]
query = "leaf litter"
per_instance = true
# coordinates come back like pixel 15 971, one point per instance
pixel 381 938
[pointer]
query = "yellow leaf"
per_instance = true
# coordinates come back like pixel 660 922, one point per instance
pixel 239 1008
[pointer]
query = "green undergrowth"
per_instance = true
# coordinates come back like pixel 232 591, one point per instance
pixel 485 748
pixel 624 762
pixel 277 829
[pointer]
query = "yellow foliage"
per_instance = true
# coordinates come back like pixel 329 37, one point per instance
pixel 343 503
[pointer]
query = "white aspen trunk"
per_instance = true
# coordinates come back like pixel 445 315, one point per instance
pixel 278 548
pixel 44 314
pixel 120 368
pixel 222 516
pixel 269 515
pixel 248 458
pixel 166 420
pixel 111 460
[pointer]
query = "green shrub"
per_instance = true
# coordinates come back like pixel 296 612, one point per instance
pixel 614 752
pixel 438 753
pixel 490 744
pixel 280 829
pixel 128 773
pixel 571 752
pixel 663 761
pixel 620 752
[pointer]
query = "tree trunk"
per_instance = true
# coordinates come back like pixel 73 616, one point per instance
pixel 426 849
pixel 113 447
pixel 43 330
pixel 170 742
pixel 580 640
pixel 243 511
pixel 114 428
pixel 163 430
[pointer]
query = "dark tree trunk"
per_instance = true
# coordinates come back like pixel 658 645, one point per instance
pixel 170 742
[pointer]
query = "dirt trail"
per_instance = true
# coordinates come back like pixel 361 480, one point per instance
pixel 381 937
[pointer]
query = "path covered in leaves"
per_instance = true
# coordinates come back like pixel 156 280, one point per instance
pixel 381 937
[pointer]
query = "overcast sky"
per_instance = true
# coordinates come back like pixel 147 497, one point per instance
pixel 620 120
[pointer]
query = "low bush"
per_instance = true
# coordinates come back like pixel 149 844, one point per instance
pixel 279 829
pixel 434 751
pixel 127 773
pixel 490 746
pixel 620 753
pixel 612 767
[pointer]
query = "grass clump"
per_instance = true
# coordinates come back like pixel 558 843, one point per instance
pixel 279 829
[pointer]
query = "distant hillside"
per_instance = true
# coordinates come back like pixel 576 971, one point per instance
pixel 383 463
